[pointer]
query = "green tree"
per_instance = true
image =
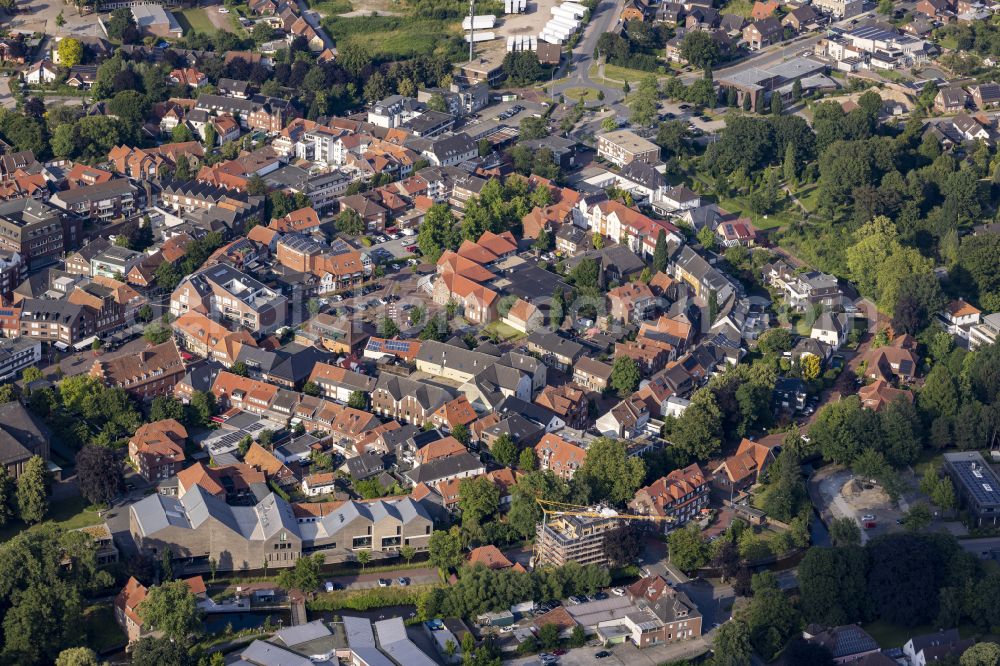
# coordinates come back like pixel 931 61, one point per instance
pixel 445 549
pixel 312 388
pixel 70 52
pixel 687 549
pixel 527 462
pixel 173 609
pixel 6 496
pixel 99 473
pixel 504 450
pixel 700 49
pixel 845 532
pixel 608 473
pixel 981 654
pixel 407 552
pixel 78 656
pixel 479 498
pixel 149 651
pixel 33 491
pixel 304 576
pixel 349 222
pixel 625 376
pixel 707 238
pixel 364 557
pixel 698 431
pixel 436 232
pixel 533 128
pixel 387 327
pixel 660 252
pixel 918 517
pixel 460 431
pixel 732 644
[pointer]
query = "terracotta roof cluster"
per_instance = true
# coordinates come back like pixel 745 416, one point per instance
pixel 559 455
pixel 667 492
pixel 215 480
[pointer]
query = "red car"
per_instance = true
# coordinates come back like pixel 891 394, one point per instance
pixel 411 248
pixel 559 652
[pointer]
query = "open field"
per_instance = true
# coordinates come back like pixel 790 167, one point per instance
pixel 395 37
pixel 194 19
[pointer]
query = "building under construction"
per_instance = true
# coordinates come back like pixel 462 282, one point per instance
pixel 569 538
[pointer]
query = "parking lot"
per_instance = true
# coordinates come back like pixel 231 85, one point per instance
pixel 844 496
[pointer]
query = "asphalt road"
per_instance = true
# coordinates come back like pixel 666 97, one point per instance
pixel 604 19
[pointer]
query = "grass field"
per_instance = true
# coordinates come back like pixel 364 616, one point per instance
pixel 740 7
pixel 331 7
pixel 395 36
pixel 68 514
pixel 505 332
pixel 194 18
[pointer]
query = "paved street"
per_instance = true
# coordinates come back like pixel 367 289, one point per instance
pixel 603 20
pixel 625 654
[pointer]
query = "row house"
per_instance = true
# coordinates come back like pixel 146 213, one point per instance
pixel 568 402
pixel 109 314
pixel 198 334
pixel 407 400
pixel 150 373
pixel 60 322
pixel 260 112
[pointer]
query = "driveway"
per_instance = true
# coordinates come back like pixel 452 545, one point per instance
pixel 362 581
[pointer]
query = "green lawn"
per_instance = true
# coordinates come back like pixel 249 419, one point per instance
pixel 738 7
pixel 580 94
pixel 504 331
pixel 68 514
pixel 103 633
pixel 194 18
pixel 613 74
pixel 395 37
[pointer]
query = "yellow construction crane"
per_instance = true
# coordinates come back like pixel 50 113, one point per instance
pixel 562 509
pixel 566 509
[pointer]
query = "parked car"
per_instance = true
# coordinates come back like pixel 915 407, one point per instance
pixel 618 591
pixel 330 586
pixel 403 581
pixel 600 596
pixel 559 652
pixel 384 582
pixel 602 654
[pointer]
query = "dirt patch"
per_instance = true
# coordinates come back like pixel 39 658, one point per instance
pixel 864 496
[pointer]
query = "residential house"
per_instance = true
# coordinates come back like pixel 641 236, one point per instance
pixel 632 303
pixel 789 394
pixel 43 71
pixel 556 351
pixel 763 33
pixel 958 318
pixel 157 449
pixel 145 375
pixel 879 394
pixel 524 317
pixel 625 420
pixel 223 291
pixel 762 10
pixel 568 402
pixel 679 497
pixel 591 374
pixel 950 99
pixel 897 360
pixel 406 399
pixel 111 200
pixel 986 332
pixel 198 334
pixel 37 231
pixel 800 18
pixel 562 457
pixel 743 469
pixel 985 95
pixel 929 648
pixel 831 328
pixel 22 437
pixel 620 147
